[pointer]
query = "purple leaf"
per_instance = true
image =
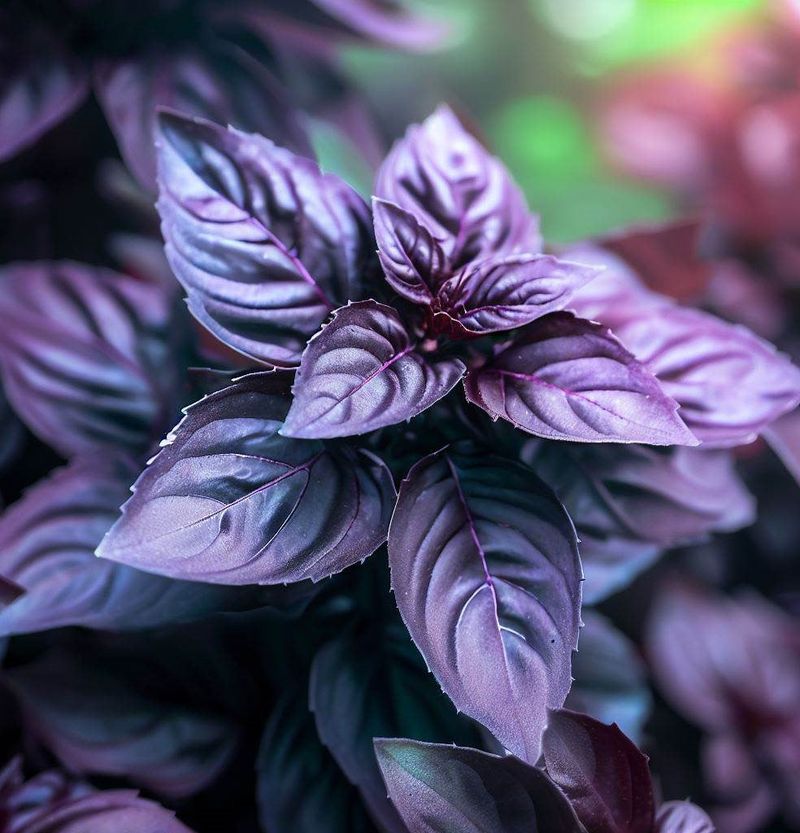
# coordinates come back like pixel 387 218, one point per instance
pixel 221 84
pixel 23 803
pixel 41 84
pixel 47 543
pixel 107 812
pixel 486 575
pixel 300 786
pixel 610 682
pixel 87 355
pixel 662 496
pixel 727 664
pixel 449 789
pixel 362 371
pixel 569 379
pixel 631 502
pixel 264 243
pixel 96 720
pixel 413 260
pixel 505 293
pixel 228 500
pixel 682 817
pixel 602 773
pixel 729 383
pixel 373 683
pixel 463 196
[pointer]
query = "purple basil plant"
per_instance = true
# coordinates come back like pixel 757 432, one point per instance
pixel 410 394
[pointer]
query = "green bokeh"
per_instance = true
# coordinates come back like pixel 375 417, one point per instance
pixel 531 92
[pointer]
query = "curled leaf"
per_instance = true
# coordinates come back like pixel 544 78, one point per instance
pixel 504 293
pixel 412 258
pixel 363 371
pixel 682 817
pixel 463 196
pixel 264 243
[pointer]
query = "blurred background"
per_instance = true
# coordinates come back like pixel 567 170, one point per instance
pixel 531 76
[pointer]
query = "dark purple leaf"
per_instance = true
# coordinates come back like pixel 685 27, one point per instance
pixel 221 84
pixel 666 256
pixel 40 85
pixel 362 371
pixel 504 293
pixel 486 575
pixel 413 260
pixel 88 356
pixel 97 721
pixel 449 789
pixel 729 383
pixel 372 684
pixel 47 543
pixel 610 682
pixel 682 817
pixel 566 378
pixel 301 788
pixel 228 500
pixel 117 811
pixel 602 773
pixel 463 196
pixel 264 243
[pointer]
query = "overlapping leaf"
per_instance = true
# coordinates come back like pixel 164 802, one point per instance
pixel 220 84
pixel 89 358
pixel 602 773
pixel 630 502
pixel 486 575
pixel 363 371
pixel 730 383
pixel 610 683
pixel 101 719
pixel 229 500
pixel 413 260
pixel 566 378
pixel 300 785
pixel 458 192
pixel 47 544
pixel 102 812
pixel 450 789
pixel 505 293
pixel 264 243
pixel 370 684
